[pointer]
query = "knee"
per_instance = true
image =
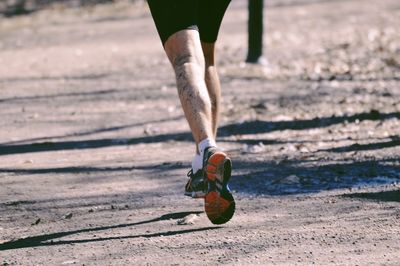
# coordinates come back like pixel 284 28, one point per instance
pixel 183 60
pixel 183 48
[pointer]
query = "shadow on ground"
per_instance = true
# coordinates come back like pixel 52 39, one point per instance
pixel 265 177
pixel 89 144
pixel 15 146
pixel 259 127
pixel 93 169
pixel 49 239
pixel 394 141
pixel 378 196
pixel 308 176
pixel 251 127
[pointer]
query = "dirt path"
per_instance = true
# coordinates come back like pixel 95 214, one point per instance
pixel 94 147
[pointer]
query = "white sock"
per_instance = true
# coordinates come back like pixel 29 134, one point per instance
pixel 204 144
pixel 197 163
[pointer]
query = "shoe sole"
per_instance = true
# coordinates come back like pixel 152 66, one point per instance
pixel 218 202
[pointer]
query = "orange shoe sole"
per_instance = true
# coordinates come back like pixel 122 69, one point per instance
pixel 218 202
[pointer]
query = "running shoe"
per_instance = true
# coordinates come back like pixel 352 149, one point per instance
pixel 218 201
pixel 195 186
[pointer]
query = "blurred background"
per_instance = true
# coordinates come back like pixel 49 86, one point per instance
pixel 19 7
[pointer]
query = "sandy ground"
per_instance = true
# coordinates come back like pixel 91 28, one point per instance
pixel 94 148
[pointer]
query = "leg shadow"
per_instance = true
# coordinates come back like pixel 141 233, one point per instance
pixel 48 239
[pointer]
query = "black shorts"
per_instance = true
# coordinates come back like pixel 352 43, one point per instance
pixel 205 16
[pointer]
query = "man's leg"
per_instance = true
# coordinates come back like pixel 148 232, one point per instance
pixel 185 53
pixel 210 15
pixel 219 202
pixel 194 188
pixel 212 82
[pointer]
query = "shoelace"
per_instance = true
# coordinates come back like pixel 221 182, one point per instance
pixel 190 173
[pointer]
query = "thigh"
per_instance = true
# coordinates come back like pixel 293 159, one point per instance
pixel 210 15
pixel 171 16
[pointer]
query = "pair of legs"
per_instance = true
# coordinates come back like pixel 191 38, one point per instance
pixel 188 30
pixel 197 80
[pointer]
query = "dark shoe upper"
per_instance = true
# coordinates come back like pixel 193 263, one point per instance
pixel 195 186
pixel 207 154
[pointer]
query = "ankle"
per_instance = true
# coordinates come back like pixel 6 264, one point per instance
pixel 204 144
